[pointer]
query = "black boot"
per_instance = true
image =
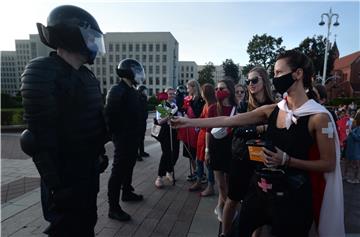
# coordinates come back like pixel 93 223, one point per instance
pixel 131 197
pixel 139 158
pixel 118 214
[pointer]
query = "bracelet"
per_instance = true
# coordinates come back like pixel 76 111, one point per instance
pixel 285 158
pixel 206 150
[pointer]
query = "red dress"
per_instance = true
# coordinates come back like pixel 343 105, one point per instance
pixel 200 149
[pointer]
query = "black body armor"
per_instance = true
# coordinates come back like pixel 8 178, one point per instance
pixel 64 111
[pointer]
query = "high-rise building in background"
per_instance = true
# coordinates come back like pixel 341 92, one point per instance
pixel 9 75
pixel 158 52
pixel 188 70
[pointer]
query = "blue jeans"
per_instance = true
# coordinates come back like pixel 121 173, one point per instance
pixel 200 172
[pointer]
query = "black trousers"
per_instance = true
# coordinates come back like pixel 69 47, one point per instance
pixel 125 155
pixel 141 140
pixel 79 217
pixel 168 159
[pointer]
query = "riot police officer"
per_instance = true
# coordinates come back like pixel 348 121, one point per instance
pixel 123 115
pixel 66 127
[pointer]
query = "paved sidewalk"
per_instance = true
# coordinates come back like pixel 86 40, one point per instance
pixel 172 211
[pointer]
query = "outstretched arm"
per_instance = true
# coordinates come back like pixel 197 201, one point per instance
pixel 255 116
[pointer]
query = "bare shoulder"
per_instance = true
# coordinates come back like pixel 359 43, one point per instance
pixel 318 121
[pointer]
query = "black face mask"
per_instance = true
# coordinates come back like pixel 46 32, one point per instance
pixel 283 83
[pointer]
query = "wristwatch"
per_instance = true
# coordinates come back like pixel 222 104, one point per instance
pixel 206 150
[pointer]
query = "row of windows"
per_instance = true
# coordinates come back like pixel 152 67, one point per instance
pixel 150 82
pixel 20 46
pixel 187 68
pixel 5 59
pixel 143 59
pixel 22 51
pixel 187 75
pixel 7 69
pixel 136 47
pixel 150 70
pixel 8 86
pixel 6 74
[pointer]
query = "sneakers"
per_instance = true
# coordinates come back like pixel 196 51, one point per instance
pixel 159 182
pixel 204 179
pixel 169 177
pixel 353 181
pixel 144 154
pixel 191 177
pixel 119 215
pixel 209 191
pixel 219 212
pixel 131 197
pixel 195 187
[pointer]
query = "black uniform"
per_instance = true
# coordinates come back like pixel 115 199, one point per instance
pixel 124 120
pixel 64 111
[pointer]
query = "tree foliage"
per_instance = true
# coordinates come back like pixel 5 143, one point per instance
pixel 206 75
pixel 246 69
pixel 314 48
pixel 231 70
pixel 263 49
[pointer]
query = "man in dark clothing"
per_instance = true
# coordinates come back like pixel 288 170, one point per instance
pixel 66 136
pixel 125 122
pixel 144 115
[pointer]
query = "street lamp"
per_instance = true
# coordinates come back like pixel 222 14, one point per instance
pixel 329 16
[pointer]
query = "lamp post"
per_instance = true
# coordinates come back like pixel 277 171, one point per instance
pixel 329 16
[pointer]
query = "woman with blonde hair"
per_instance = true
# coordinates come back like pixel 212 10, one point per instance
pixel 193 105
pixel 241 168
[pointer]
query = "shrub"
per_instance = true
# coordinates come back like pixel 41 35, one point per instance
pixel 12 116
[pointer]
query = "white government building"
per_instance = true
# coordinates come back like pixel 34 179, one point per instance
pixel 157 51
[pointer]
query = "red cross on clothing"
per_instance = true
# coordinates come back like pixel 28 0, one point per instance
pixel 264 185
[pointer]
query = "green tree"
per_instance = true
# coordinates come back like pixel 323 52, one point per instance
pixel 206 75
pixel 263 50
pixel 231 70
pixel 314 48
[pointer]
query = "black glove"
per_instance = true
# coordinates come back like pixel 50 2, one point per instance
pixel 103 163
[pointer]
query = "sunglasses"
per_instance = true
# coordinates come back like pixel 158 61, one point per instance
pixel 253 81
pixel 240 92
pixel 220 88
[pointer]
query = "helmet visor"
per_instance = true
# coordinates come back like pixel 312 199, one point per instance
pixel 93 40
pixel 139 74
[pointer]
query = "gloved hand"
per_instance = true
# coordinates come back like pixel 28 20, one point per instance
pixel 103 163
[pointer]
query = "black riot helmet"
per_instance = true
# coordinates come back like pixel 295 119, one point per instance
pixel 181 89
pixel 132 70
pixel 73 29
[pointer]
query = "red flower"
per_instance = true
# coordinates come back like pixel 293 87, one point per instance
pixel 162 96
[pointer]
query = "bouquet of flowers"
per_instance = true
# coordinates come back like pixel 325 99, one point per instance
pixel 162 108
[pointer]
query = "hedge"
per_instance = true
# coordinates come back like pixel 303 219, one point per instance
pixel 12 116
